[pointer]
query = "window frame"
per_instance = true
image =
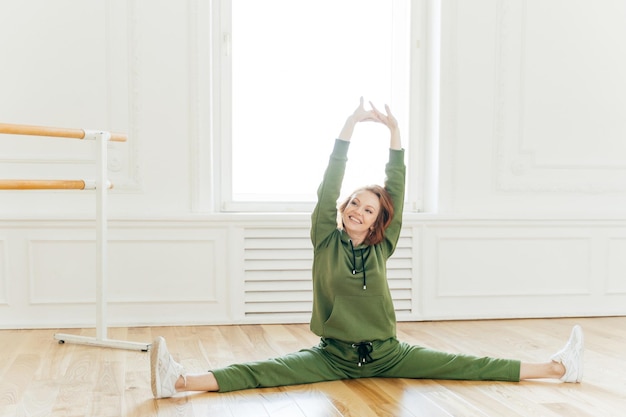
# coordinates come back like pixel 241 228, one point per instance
pixel 419 123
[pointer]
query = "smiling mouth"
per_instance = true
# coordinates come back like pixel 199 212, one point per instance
pixel 355 220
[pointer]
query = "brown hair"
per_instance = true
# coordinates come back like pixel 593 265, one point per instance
pixel 385 215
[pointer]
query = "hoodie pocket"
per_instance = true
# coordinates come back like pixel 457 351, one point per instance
pixel 360 318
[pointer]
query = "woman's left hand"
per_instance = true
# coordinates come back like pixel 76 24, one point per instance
pixel 387 119
pixel 390 121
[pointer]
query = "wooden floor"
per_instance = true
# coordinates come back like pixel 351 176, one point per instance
pixel 39 377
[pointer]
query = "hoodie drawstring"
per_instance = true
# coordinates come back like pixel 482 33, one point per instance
pixel 354 271
pixel 363 349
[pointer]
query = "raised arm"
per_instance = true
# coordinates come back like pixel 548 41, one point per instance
pixel 324 216
pixel 395 171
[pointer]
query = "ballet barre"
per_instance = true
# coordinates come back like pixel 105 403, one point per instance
pixel 100 185
pixel 50 185
pixel 55 132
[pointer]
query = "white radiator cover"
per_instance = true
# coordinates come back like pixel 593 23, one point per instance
pixel 280 289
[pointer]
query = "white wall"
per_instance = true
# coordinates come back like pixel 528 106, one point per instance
pixel 532 99
pixel 531 193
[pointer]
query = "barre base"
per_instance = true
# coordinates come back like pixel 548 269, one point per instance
pixel 93 341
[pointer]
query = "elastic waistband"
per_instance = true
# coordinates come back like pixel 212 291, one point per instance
pixel 359 353
pixel 349 344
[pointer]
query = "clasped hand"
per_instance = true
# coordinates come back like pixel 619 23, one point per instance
pixel 374 115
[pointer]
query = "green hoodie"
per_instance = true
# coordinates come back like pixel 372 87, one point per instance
pixel 343 309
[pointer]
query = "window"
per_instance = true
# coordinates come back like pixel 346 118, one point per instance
pixel 291 72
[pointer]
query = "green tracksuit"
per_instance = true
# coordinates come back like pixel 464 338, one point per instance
pixel 353 311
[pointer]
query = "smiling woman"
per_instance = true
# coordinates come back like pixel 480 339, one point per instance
pixel 368 211
pixel 353 311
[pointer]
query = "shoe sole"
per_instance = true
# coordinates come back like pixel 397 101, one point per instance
pixel 580 346
pixel 154 361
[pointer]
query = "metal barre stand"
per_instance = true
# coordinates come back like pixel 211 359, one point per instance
pixel 101 185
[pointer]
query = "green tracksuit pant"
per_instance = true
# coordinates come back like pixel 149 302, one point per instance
pixel 333 360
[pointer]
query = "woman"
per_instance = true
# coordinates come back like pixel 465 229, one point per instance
pixel 353 311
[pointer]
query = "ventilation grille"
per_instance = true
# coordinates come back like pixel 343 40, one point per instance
pixel 277 275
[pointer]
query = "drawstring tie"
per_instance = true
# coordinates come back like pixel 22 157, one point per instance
pixel 363 349
pixel 354 271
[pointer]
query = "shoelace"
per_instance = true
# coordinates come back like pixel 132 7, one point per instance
pixel 363 349
pixel 354 271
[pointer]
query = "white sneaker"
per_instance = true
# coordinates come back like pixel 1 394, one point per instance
pixel 164 371
pixel 571 356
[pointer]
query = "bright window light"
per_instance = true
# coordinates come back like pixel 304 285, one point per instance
pixel 298 70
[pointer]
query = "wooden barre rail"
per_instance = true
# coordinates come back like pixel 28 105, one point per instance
pixel 47 185
pixel 56 132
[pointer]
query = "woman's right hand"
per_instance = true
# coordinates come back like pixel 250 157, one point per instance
pixel 362 115
pixel 359 115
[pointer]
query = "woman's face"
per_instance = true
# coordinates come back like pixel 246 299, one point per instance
pixel 360 213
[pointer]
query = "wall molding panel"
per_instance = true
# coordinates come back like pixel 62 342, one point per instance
pixel 138 269
pixel 528 266
pixel 102 75
pixel 156 271
pixel 61 271
pixel 521 269
pixel 616 276
pixel 212 270
pixel 529 122
pixel 548 138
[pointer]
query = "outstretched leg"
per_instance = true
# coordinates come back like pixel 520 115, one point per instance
pixel 305 366
pixel 419 362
